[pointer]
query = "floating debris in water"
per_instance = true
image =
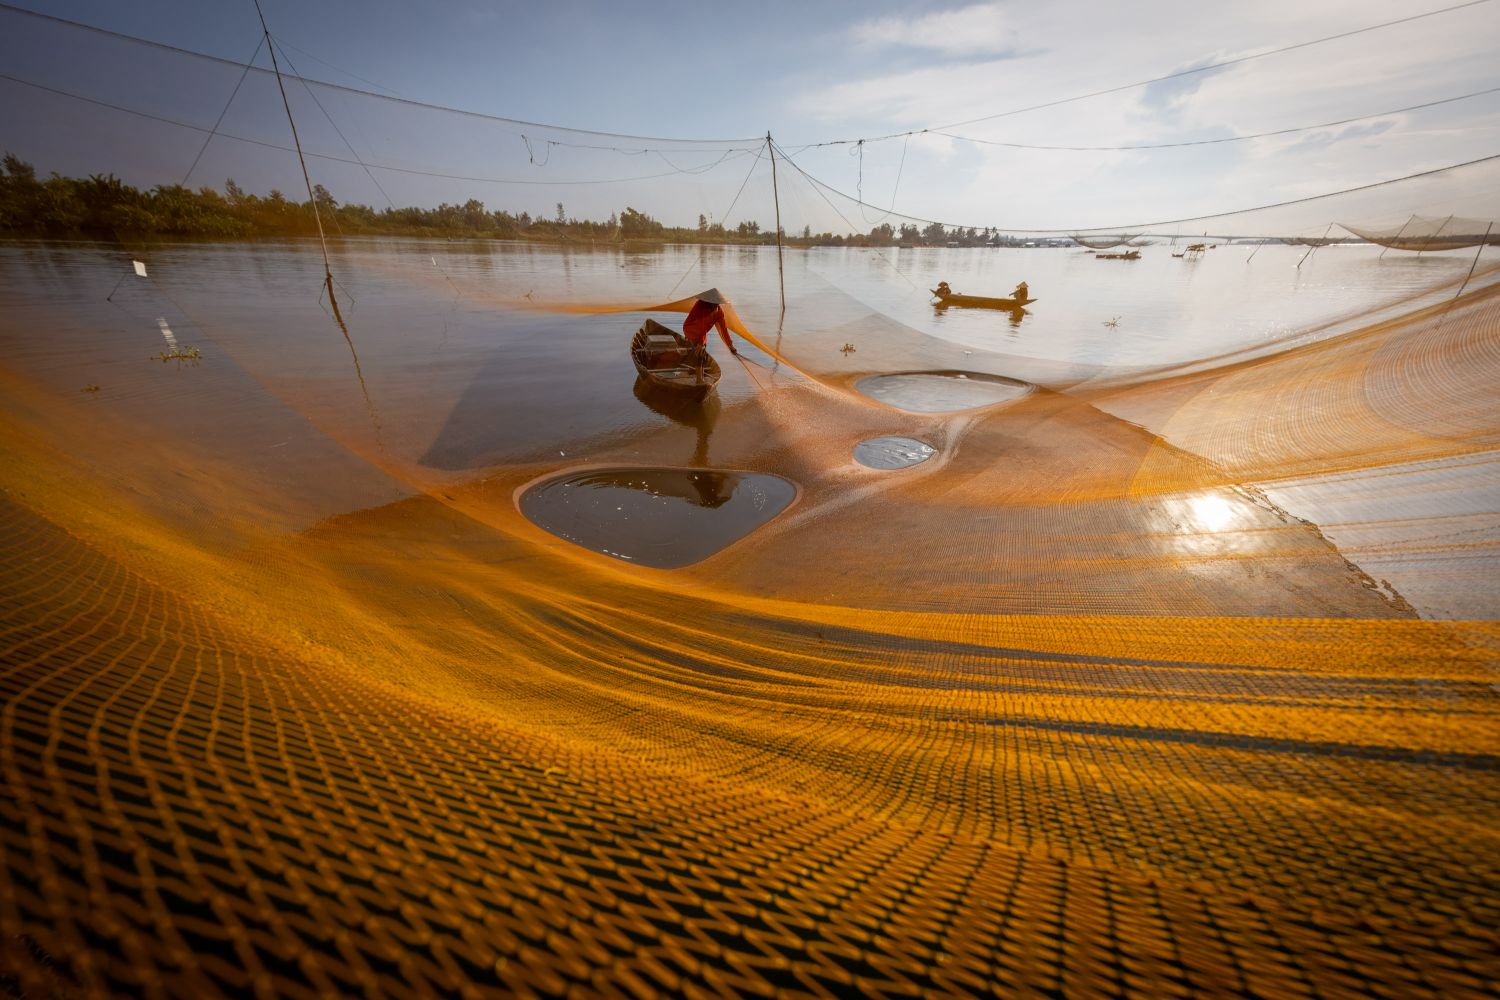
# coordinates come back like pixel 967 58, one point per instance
pixel 190 355
pixel 91 387
pixel 892 452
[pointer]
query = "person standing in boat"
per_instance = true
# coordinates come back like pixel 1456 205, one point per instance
pixel 1022 293
pixel 705 315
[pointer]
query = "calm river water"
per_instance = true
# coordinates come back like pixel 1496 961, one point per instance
pixel 460 359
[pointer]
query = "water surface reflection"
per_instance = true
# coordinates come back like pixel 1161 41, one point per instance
pixel 892 452
pixel 701 415
pixel 658 517
pixel 942 392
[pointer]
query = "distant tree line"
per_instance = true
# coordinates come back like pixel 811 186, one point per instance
pixel 104 205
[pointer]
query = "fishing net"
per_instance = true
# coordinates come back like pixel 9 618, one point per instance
pixel 1101 242
pixel 1171 673
pixel 1423 234
pixel 1310 241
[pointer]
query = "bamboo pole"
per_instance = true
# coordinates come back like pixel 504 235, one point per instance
pixel 1313 247
pixel 1384 247
pixel 1437 233
pixel 296 141
pixel 1482 244
pixel 776 194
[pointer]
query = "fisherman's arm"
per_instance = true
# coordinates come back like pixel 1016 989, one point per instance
pixel 724 335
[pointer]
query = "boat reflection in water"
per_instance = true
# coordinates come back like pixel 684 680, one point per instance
pixel 661 517
pixel 700 415
pixel 1013 314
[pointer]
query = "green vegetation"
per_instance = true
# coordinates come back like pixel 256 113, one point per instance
pixel 104 206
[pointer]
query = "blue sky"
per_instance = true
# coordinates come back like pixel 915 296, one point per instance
pixel 809 72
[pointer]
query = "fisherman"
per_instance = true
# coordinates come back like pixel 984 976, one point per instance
pixel 1022 294
pixel 943 291
pixel 705 315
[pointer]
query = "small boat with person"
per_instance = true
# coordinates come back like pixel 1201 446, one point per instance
pixel 664 358
pixel 945 296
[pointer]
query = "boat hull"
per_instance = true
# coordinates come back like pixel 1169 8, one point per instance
pixel 980 302
pixel 661 356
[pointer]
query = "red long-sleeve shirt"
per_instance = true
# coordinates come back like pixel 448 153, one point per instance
pixel 703 317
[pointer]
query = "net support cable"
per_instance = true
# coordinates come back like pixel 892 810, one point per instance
pixel 1142 227
pixel 724 157
pixel 1293 130
pixel 1158 79
pixel 220 120
pixel 749 143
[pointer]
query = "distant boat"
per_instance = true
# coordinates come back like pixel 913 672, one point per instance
pixel 1127 255
pixel 661 356
pixel 945 299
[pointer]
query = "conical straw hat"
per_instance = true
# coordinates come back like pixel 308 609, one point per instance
pixel 712 295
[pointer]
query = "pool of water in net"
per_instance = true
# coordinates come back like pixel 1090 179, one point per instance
pixel 892 452
pixel 942 392
pixel 664 518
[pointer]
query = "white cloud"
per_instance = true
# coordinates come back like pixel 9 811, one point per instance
pixel 979 29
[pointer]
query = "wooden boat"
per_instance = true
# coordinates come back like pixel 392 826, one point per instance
pixel 661 356
pixel 945 299
pixel 1127 255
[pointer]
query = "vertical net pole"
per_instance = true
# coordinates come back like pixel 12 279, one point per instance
pixel 1313 247
pixel 776 195
pixel 1436 233
pixel 1384 248
pixel 317 216
pixel 1482 244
